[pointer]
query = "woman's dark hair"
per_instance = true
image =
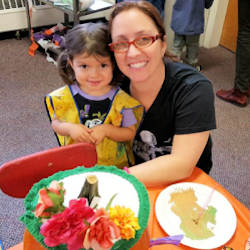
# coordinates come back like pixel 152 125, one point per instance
pixel 146 7
pixel 89 38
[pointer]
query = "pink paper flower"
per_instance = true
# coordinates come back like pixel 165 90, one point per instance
pixel 68 227
pixel 55 230
pixel 102 232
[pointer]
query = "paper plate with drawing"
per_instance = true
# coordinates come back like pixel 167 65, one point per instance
pixel 202 214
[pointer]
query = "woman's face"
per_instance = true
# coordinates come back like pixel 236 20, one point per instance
pixel 139 65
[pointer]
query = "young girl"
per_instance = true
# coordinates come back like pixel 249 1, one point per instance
pixel 91 107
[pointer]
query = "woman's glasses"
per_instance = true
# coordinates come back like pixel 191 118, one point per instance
pixel 140 43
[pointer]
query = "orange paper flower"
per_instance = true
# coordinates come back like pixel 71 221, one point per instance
pixel 125 220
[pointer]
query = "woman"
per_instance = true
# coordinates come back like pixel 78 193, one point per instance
pixel 179 103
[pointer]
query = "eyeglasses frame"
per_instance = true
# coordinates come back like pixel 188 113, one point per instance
pixel 154 38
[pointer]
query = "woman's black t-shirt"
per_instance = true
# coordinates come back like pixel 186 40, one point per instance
pixel 184 105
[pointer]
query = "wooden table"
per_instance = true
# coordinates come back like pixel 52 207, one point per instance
pixel 237 242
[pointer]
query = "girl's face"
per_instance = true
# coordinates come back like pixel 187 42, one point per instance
pixel 93 73
pixel 139 65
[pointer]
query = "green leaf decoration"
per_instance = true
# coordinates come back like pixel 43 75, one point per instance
pixel 110 201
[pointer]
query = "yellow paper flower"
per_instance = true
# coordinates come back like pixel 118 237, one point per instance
pixel 125 220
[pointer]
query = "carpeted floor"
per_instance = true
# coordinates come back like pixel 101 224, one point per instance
pixel 25 128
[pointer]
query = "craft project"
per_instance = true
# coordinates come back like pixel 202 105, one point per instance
pixel 87 208
pixel 197 211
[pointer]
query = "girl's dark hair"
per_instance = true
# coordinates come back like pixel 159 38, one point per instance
pixel 89 38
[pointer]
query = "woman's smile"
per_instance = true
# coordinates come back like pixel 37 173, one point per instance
pixel 138 65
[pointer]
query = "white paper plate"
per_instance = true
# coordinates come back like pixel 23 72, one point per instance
pixel 108 185
pixel 225 218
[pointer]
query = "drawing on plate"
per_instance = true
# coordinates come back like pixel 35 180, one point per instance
pixel 196 222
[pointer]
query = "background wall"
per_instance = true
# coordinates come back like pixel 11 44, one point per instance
pixel 15 19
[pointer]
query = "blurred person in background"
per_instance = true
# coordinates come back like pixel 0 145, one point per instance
pixel 188 24
pixel 239 94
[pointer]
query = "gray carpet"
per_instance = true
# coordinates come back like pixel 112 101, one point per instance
pixel 25 129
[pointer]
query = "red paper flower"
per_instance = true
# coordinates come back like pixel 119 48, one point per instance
pixel 68 227
pixel 102 232
pixel 55 230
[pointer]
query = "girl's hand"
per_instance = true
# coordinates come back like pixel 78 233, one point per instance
pixel 80 133
pixel 118 134
pixel 99 132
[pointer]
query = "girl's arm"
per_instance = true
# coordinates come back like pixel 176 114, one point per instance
pixel 78 132
pixel 119 134
pixel 186 151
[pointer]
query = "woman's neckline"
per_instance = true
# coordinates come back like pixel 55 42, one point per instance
pixel 147 96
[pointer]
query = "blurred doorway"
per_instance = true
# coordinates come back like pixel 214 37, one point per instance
pixel 230 27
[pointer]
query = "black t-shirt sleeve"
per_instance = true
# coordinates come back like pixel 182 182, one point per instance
pixel 195 108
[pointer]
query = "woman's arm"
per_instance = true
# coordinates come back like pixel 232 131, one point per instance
pixel 119 134
pixel 78 132
pixel 186 151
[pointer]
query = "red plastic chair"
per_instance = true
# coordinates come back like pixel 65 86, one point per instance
pixel 18 176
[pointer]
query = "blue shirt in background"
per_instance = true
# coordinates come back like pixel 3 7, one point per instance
pixel 188 16
pixel 159 4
